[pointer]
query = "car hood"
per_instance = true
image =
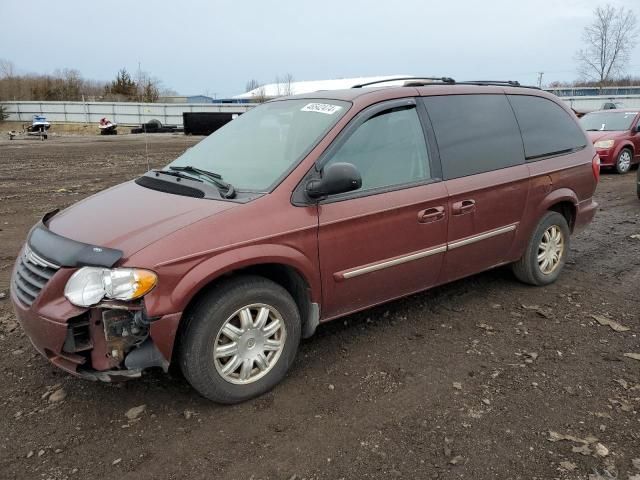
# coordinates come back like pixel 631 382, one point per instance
pixel 129 217
pixel 608 135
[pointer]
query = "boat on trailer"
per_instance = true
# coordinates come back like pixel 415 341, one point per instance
pixel 38 128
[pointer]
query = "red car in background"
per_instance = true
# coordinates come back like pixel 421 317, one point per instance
pixel 616 136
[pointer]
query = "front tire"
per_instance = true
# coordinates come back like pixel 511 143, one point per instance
pixel 240 341
pixel 623 162
pixel 546 252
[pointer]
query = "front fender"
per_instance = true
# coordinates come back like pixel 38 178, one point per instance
pixel 626 144
pixel 215 266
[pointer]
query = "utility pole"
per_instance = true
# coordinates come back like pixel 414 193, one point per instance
pixel 139 86
pixel 540 79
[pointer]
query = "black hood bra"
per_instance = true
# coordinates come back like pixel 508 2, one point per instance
pixel 66 252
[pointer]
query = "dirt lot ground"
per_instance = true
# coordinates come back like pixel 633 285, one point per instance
pixel 464 381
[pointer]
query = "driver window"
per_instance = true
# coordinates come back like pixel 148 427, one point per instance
pixel 388 149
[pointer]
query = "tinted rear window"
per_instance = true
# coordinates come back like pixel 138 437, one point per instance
pixel 547 129
pixel 475 133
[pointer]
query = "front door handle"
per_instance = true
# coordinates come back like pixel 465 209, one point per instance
pixel 463 207
pixel 431 215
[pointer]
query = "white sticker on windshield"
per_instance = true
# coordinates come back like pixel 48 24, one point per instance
pixel 321 108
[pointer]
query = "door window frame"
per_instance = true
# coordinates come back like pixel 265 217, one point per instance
pixel 299 197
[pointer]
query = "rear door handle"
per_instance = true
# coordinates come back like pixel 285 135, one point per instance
pixel 463 207
pixel 432 214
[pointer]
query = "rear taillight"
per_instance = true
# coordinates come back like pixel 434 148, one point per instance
pixel 595 164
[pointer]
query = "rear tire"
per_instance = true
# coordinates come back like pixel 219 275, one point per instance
pixel 546 252
pixel 239 341
pixel 623 162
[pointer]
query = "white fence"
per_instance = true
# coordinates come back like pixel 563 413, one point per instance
pixel 586 104
pixel 118 112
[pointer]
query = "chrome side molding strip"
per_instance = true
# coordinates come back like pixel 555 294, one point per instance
pixel 396 261
pixel 356 272
pixel 482 236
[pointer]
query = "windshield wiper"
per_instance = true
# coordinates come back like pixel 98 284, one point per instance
pixel 226 189
pixel 176 174
pixel 593 130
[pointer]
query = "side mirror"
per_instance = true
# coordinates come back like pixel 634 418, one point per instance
pixel 336 178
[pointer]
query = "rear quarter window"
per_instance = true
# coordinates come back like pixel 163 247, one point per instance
pixel 474 133
pixel 547 129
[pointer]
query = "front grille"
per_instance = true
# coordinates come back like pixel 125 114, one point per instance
pixel 32 275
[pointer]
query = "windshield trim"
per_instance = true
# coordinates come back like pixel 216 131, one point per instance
pixel 308 150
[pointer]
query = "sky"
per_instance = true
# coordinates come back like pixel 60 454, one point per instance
pixel 215 47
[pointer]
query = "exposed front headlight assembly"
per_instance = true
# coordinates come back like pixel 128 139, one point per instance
pixel 604 144
pixel 89 285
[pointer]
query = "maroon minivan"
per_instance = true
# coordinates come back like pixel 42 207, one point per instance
pixel 616 136
pixel 302 210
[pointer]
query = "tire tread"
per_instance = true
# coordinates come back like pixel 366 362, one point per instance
pixel 193 350
pixel 525 269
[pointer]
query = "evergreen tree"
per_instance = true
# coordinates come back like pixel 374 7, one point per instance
pixel 123 85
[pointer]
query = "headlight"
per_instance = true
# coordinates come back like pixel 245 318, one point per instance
pixel 604 144
pixel 89 285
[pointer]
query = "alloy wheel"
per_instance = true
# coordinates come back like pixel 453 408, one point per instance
pixel 550 249
pixel 624 161
pixel 249 344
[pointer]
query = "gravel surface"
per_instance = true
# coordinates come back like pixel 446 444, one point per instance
pixel 483 378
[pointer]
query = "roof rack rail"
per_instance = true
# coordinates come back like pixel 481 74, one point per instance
pixel 434 79
pixel 424 81
pixel 499 83
pixel 512 83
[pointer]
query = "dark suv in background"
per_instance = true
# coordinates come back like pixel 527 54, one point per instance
pixel 303 210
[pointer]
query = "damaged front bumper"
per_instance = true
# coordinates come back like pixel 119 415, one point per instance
pixel 101 343
pixel 110 341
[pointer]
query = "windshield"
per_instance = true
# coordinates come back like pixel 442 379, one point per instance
pixel 608 121
pixel 255 150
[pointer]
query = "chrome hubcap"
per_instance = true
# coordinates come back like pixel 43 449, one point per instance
pixel 550 249
pixel 249 343
pixel 624 162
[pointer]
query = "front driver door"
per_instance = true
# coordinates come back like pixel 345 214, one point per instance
pixel 388 238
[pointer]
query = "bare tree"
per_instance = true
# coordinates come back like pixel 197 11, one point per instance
pixel 278 84
pixel 7 69
pixel 252 85
pixel 260 95
pixel 150 90
pixel 287 87
pixel 609 41
pixel 69 85
pixel 284 85
pixel 168 92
